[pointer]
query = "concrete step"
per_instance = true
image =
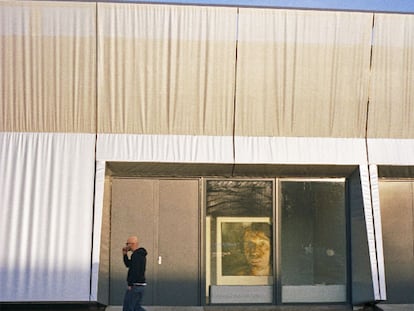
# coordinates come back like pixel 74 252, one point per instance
pixel 243 308
pixel 381 307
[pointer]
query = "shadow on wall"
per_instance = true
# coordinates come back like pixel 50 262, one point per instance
pixel 31 284
pixel 51 307
pixel 162 293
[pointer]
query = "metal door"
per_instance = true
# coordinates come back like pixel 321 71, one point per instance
pixel 164 215
pixel 178 265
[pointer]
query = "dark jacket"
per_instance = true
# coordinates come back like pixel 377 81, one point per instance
pixel 136 266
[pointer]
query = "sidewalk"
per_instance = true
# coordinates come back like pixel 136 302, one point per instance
pixel 241 308
pixel 384 307
pixel 391 307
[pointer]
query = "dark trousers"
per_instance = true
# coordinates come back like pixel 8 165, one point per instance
pixel 133 298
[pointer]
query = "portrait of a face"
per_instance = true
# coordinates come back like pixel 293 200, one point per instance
pixel 239 232
pixel 246 248
pixel 257 248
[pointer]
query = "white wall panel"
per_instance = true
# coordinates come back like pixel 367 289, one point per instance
pixel 97 230
pixel 46 200
pixel 300 150
pixel 391 151
pixel 369 222
pixel 165 148
pixel 376 211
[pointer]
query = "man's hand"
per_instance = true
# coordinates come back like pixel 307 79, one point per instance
pixel 125 250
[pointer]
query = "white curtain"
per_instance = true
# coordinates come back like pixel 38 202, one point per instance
pixel 165 83
pixel 46 199
pixel 376 213
pixel 300 150
pixel 164 148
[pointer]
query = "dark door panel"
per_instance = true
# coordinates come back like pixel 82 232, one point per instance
pixel 178 271
pixel 164 216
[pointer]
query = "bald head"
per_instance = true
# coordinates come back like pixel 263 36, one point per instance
pixel 132 242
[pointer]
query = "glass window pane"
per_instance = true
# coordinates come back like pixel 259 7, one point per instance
pixel 239 241
pixel 313 237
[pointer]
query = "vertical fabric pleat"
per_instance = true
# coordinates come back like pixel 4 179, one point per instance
pixel 47 58
pixel 46 198
pixel 391 110
pixel 166 69
pixel 302 73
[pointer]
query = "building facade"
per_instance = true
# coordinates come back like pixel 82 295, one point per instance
pixel 262 155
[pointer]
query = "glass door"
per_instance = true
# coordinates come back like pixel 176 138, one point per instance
pixel 313 264
pixel 289 250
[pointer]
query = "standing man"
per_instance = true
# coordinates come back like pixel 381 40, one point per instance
pixel 136 274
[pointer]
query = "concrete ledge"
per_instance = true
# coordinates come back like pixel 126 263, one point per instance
pixel 159 308
pixel 241 294
pixel 396 307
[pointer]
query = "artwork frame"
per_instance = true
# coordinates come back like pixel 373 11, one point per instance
pixel 227 226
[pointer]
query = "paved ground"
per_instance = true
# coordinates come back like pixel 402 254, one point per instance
pixel 86 307
pixel 380 307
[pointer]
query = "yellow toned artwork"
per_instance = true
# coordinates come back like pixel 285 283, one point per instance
pixel 244 251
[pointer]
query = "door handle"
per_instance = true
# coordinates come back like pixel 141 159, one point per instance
pixel 159 260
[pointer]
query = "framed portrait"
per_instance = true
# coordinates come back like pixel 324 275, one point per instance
pixel 244 251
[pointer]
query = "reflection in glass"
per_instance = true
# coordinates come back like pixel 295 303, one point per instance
pixel 239 232
pixel 313 233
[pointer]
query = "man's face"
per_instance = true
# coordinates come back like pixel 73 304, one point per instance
pixel 131 244
pixel 256 248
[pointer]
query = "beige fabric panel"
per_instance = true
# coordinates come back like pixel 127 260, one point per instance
pixel 47 59
pixel 391 110
pixel 302 73
pixel 166 69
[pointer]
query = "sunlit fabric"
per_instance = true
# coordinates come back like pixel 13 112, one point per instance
pixel 302 73
pixel 391 110
pixel 85 83
pixel 166 69
pixel 391 113
pixel 47 59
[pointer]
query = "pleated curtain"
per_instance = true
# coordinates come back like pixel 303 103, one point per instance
pixel 166 69
pixel 302 73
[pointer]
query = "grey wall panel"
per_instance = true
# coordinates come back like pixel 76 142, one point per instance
pixel 105 245
pixel 397 209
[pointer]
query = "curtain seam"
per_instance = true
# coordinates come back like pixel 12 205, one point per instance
pixel 235 92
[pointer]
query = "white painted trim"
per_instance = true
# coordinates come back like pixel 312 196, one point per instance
pixel 391 151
